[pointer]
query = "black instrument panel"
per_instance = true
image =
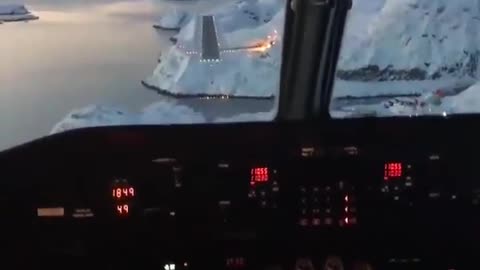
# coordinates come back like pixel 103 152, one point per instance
pixel 256 192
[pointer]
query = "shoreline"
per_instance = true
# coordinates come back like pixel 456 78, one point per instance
pixel 181 23
pixel 207 96
pixel 158 27
pixel 18 19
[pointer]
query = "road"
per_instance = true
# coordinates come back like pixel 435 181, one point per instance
pixel 210 48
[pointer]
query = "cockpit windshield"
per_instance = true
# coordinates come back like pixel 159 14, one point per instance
pixel 409 58
pixel 85 63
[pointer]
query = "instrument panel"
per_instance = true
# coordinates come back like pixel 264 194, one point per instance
pixel 311 191
pixel 388 204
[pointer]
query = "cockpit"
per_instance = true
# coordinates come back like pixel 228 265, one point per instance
pixel 240 135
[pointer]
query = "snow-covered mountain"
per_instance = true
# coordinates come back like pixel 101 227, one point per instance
pixel 411 40
pixel 241 72
pixel 15 12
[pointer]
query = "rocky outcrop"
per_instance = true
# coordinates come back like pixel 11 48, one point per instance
pixel 468 68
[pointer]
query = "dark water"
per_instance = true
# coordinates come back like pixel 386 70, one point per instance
pixel 85 52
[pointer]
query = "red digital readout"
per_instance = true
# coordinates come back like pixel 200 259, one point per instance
pixel 123 193
pixel 122 209
pixel 392 170
pixel 259 175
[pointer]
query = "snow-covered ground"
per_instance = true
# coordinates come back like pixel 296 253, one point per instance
pixel 172 19
pixel 425 49
pixel 15 12
pixel 390 47
pixel 241 72
pixel 428 38
pixel 161 112
pixel 158 113
pixel 377 88
pixel 455 99
pixel 399 47
pixel 248 117
pixel 252 73
pixel 465 102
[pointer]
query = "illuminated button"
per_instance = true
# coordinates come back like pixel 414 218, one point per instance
pixel 353 220
pixel 263 204
pixel 303 222
pixel 315 189
pixel 224 204
pixel 351 150
pixel 170 266
pixel 316 211
pixel 328 221
pixel 262 193
pixel 224 165
pixel 316 222
pixel 303 189
pixel 328 210
pixel 177 178
pixel 51 212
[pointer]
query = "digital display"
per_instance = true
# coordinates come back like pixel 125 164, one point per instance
pixel 123 193
pixel 393 170
pixel 259 175
pixel 122 209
